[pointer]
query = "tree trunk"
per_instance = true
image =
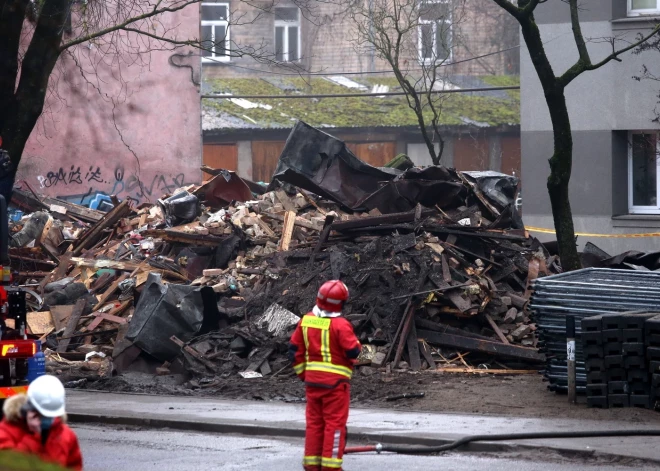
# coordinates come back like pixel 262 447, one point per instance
pixel 560 175
pixel 25 102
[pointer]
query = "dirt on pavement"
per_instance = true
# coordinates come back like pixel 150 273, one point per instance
pixel 514 396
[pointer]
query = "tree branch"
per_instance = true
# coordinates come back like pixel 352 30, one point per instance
pixel 530 7
pixel 510 7
pixel 579 67
pixel 577 33
pixel 123 25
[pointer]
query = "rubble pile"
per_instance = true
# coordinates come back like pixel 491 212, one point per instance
pixel 213 278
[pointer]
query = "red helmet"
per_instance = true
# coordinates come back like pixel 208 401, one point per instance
pixel 332 295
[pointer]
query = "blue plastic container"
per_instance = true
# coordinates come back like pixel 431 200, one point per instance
pixel 36 364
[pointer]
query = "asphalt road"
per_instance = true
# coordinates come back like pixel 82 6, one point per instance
pixel 128 449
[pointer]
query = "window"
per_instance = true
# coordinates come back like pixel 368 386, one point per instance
pixel 215 31
pixel 434 31
pixel 287 34
pixel 643 169
pixel 643 7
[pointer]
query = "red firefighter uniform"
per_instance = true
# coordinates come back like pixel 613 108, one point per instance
pixel 323 349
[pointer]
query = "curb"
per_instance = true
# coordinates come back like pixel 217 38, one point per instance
pixel 355 436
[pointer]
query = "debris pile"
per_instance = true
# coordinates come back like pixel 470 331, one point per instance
pixel 213 278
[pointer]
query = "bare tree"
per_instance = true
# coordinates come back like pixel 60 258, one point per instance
pixel 36 35
pixel 554 87
pixel 415 39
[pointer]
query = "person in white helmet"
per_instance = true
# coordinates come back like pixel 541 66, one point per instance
pixel 35 423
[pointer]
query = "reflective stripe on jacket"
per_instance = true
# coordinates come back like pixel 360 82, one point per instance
pixel 323 349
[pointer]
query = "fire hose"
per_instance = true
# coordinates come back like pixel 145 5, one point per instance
pixel 427 450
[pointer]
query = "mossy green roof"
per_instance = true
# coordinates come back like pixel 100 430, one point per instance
pixel 484 109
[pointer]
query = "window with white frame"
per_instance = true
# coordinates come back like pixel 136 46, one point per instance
pixel 287 34
pixel 643 7
pixel 215 31
pixel 434 31
pixel 643 169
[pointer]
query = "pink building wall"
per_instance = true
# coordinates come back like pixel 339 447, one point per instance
pixel 76 148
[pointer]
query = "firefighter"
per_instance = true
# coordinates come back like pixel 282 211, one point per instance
pixel 323 349
pixel 34 423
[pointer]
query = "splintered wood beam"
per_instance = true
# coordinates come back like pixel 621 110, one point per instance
pixel 496 329
pixel 371 221
pixel 299 221
pixel 109 292
pixel 287 231
pixel 413 349
pixel 184 237
pixel 72 324
pixel 483 346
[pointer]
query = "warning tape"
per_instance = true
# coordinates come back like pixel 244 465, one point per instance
pixel 587 234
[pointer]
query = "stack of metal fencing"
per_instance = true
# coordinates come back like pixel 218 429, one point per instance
pixel 584 293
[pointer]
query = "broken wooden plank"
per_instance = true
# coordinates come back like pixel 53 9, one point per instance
pixel 125 266
pixel 72 323
pixel 484 346
pixel 184 237
pixel 58 273
pixel 413 349
pixel 323 238
pixel 298 221
pixel 461 302
pixel 112 318
pixel 479 233
pixel 311 201
pixel 109 220
pixel 371 221
pixel 446 274
pixel 110 291
pixel 436 290
pixel 31 203
pixel 259 359
pixel 265 227
pixel 283 198
pixel 40 323
pixel 496 329
pixel 287 231
pixel 426 353
pixel 194 353
pixel 479 194
pixel 406 323
pixel 485 372
pixel 444 328
pixel 60 315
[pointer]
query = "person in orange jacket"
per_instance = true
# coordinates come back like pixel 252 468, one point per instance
pixel 323 349
pixel 34 423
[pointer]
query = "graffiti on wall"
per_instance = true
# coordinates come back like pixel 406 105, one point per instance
pixel 73 176
pixel 121 184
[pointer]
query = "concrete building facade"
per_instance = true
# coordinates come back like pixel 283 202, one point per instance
pixel 614 185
